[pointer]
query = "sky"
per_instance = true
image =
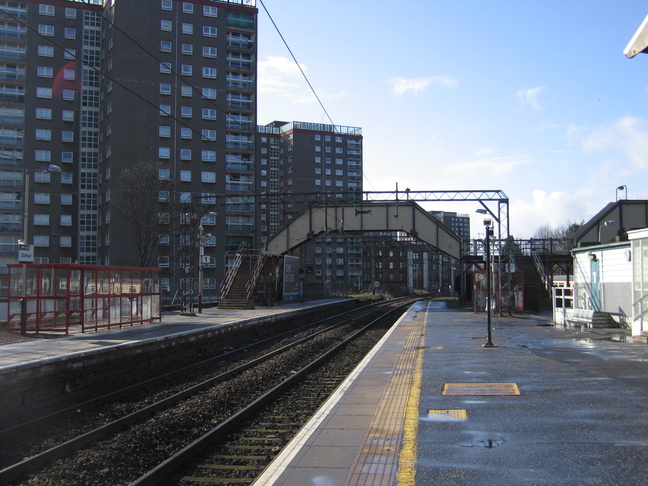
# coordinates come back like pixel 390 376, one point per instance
pixel 532 98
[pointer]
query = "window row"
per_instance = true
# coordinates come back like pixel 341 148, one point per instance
pixel 187 91
pixel 188 8
pixel 185 176
pixel 45 198
pixel 46 156
pixel 44 219
pixel 187 70
pixel 50 10
pixel 45 135
pixel 48 31
pixel 43 241
pixel 187 49
pixel 188 29
pixel 48 51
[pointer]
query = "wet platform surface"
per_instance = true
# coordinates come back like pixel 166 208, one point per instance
pixel 547 406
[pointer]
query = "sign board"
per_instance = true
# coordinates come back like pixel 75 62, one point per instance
pixel 291 278
pixel 25 254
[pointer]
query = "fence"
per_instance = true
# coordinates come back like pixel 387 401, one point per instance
pixel 55 297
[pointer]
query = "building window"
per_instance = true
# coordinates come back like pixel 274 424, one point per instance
pixel 68 95
pixel 185 154
pixel 209 93
pixel 185 133
pixel 187 70
pixel 208 114
pixel 187 29
pixel 165 110
pixel 67 136
pixel 65 241
pixel 186 112
pixel 45 72
pixel 166 46
pixel 208 156
pixel 69 54
pixel 185 176
pixel 165 67
pixel 165 89
pixel 208 135
pixel 66 199
pixel 67 115
pixel 164 174
pixel 187 49
pixel 166 25
pixel 46 10
pixel 67 157
pixel 167 5
pixel 208 177
pixel 164 152
pixel 44 113
pixel 43 134
pixel 164 131
pixel 41 241
pixel 46 30
pixel 210 11
pixel 43 155
pixel 209 31
pixel 41 219
pixel 46 51
pixel 187 7
pixel 209 72
pixel 208 51
pixel 186 91
pixel 66 220
pixel 41 198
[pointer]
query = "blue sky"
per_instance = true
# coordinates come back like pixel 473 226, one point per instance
pixel 532 98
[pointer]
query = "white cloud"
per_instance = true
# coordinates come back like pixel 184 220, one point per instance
pixel 401 86
pixel 280 77
pixel 485 168
pixel 529 97
pixel 627 141
pixel 545 208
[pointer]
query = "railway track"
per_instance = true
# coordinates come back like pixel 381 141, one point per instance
pixel 170 423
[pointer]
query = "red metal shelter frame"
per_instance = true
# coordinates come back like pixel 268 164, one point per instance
pixel 60 296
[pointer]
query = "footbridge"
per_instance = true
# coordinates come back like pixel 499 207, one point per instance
pixel 366 216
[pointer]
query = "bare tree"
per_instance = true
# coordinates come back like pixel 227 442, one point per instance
pixel 564 231
pixel 137 202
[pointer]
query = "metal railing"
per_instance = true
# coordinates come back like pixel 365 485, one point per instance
pixel 226 285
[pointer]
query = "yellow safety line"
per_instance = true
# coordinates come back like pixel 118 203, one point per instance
pixel 407 460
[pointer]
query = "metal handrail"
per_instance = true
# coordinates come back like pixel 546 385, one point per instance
pixel 254 276
pixel 226 285
pixel 540 267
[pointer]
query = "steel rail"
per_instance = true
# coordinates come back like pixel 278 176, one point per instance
pixel 61 450
pixel 161 472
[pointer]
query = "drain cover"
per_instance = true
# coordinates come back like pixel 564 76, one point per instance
pixel 480 389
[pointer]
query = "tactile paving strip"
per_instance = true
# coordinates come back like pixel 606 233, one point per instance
pixel 377 462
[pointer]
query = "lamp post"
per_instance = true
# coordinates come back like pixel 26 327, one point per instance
pixel 622 188
pixel 487 224
pixel 26 251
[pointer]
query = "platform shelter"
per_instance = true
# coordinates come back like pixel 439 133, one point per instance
pixel 57 297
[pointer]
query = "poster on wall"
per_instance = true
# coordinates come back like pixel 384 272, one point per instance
pixel 291 278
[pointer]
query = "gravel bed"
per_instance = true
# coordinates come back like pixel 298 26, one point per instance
pixel 126 456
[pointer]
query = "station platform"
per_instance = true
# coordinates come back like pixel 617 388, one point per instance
pixel 17 350
pixel 430 405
